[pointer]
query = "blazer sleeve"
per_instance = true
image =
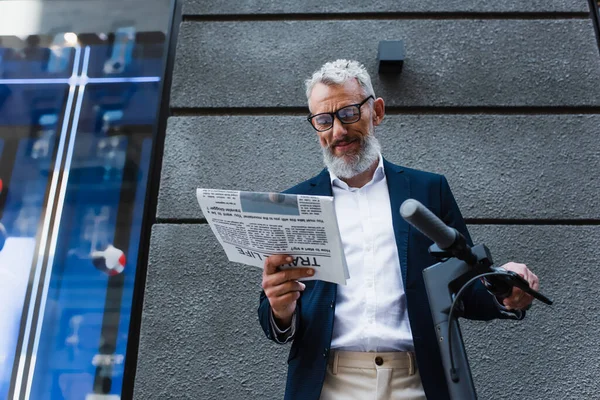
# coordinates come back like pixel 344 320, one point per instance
pixel 479 303
pixel 264 315
pixel 266 321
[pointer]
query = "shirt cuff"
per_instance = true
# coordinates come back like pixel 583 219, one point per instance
pixel 283 336
pixel 512 314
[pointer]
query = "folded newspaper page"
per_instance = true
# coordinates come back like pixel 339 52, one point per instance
pixel 253 225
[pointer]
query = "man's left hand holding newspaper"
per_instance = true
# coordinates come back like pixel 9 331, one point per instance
pixel 282 287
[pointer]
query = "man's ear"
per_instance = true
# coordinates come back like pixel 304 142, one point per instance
pixel 378 111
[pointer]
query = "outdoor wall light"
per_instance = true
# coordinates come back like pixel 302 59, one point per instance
pixel 390 57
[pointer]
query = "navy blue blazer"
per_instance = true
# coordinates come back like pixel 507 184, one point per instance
pixel 307 360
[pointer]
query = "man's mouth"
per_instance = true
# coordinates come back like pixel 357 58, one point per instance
pixel 343 145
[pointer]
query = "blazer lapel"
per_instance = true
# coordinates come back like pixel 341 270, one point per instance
pixel 399 189
pixel 320 185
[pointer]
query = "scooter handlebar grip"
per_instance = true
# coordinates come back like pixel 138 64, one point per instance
pixel 428 223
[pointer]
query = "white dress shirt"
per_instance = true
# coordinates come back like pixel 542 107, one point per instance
pixel 370 311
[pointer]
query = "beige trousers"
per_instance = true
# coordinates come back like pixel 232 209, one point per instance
pixel 378 376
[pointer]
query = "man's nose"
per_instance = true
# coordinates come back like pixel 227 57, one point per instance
pixel 338 130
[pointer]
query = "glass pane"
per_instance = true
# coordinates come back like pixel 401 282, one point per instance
pixel 29 127
pixel 80 88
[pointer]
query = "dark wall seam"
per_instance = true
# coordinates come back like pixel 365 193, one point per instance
pixel 544 222
pixel 390 110
pixel 469 221
pixel 181 221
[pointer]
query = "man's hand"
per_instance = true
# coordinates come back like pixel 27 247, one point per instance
pixel 518 299
pixel 282 288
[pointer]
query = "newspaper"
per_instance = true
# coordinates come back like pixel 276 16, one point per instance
pixel 254 225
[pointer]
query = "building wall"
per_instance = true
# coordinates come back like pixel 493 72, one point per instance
pixel 501 97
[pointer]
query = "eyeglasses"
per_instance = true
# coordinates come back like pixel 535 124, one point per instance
pixel 347 115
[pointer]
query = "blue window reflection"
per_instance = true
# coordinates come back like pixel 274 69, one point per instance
pixel 78 112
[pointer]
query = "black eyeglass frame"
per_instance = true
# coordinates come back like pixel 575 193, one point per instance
pixel 335 114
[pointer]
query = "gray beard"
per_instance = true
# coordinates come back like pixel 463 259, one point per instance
pixel 359 163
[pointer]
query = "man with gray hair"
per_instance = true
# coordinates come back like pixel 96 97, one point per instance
pixel 373 338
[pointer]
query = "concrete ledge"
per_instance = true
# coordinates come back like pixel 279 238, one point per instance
pixel 215 7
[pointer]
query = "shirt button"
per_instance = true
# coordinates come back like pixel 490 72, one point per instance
pixel 332 304
pixel 378 360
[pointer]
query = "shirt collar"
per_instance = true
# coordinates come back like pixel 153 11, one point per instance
pixel 378 175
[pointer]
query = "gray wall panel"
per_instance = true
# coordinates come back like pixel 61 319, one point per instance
pixel 190 349
pixel 356 6
pixel 499 166
pixel 554 352
pixel 200 337
pixel 449 62
pixel 244 153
